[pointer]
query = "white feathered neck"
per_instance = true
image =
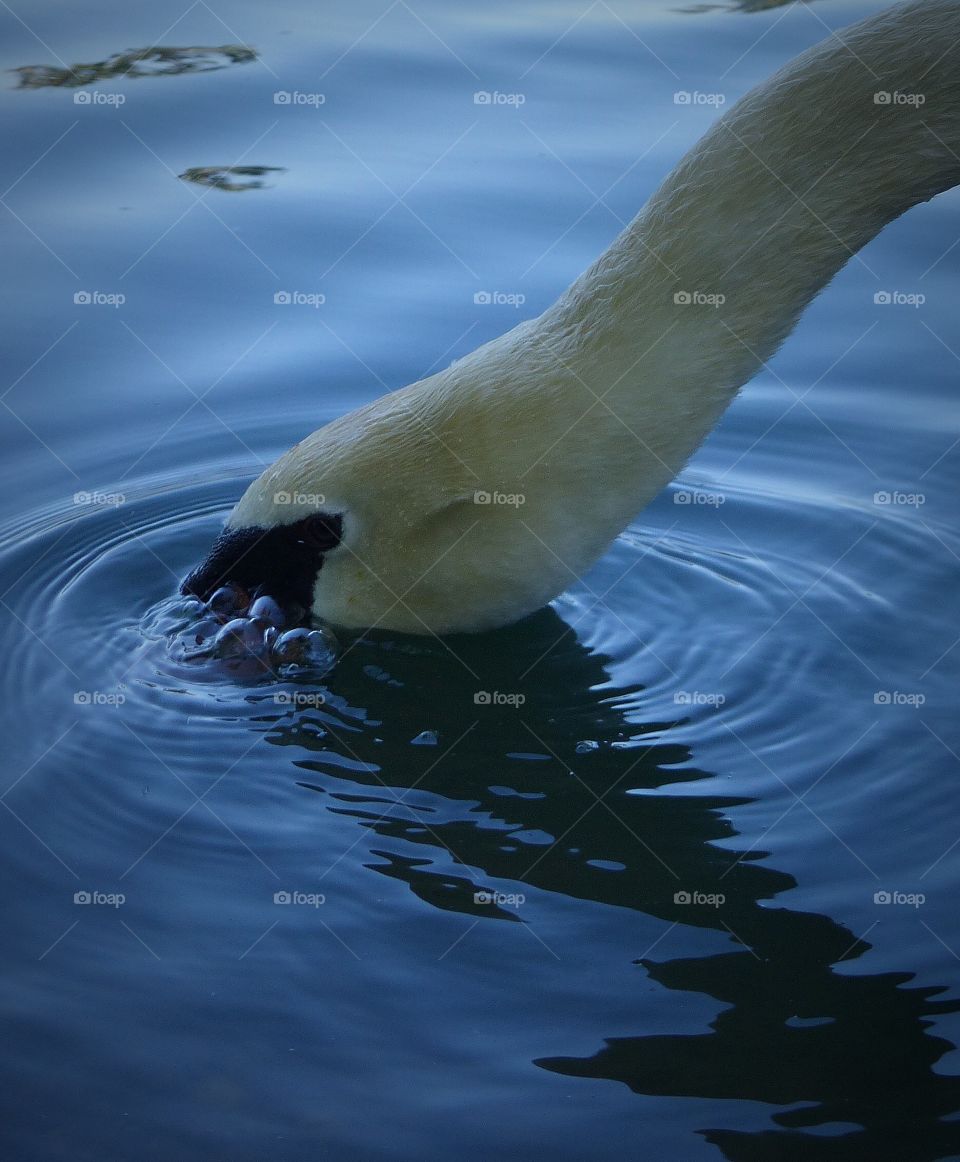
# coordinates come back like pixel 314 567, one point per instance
pixel 588 411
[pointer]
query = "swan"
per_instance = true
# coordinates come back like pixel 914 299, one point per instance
pixel 473 497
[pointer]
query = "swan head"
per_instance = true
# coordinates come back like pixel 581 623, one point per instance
pixel 386 518
pixel 450 506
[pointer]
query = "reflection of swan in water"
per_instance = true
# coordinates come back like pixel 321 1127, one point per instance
pixel 870 1060
pixel 473 497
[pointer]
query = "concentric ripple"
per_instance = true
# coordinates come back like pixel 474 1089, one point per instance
pixel 710 668
pixel 716 623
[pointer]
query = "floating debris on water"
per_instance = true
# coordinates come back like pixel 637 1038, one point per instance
pixel 221 177
pixel 425 738
pixel 154 61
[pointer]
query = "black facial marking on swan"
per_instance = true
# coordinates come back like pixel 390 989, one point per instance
pixel 282 561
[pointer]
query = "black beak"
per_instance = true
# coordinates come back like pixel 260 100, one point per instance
pixel 234 559
pixel 281 562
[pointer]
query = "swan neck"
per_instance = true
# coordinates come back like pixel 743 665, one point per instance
pixel 785 189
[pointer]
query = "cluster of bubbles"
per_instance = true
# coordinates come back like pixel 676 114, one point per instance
pixel 249 633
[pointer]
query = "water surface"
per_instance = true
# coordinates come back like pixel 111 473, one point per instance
pixel 749 704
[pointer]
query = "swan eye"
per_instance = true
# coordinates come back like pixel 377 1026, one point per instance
pixel 322 532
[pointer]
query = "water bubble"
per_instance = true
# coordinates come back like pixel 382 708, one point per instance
pixel 313 648
pixel 204 629
pixel 267 609
pixel 246 636
pixel 587 746
pixel 238 638
pixel 228 599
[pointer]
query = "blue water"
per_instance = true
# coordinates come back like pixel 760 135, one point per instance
pixel 750 700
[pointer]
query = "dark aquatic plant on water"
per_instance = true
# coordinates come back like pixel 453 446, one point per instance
pixel 222 176
pixel 155 61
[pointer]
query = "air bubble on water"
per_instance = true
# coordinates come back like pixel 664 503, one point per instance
pixel 238 638
pixel 587 746
pixel 267 609
pixel 314 649
pixel 228 599
pixel 231 628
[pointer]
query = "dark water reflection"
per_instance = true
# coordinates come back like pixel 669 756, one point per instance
pixel 842 1050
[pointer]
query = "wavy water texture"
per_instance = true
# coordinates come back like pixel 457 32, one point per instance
pixel 640 875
